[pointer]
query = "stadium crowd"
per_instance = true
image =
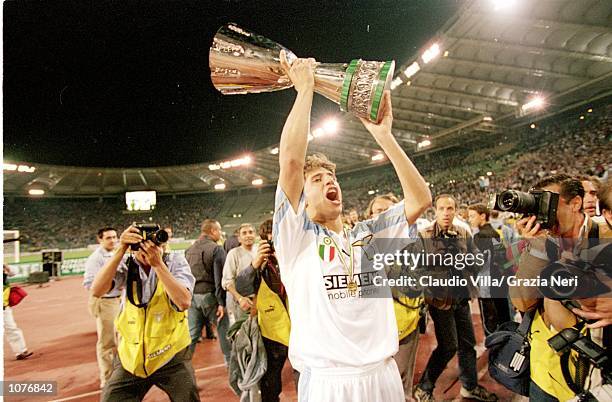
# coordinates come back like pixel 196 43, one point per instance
pixel 570 146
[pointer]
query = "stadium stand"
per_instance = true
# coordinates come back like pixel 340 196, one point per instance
pixel 514 162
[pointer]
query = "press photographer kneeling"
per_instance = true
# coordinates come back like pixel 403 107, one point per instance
pixel 564 363
pixel 152 324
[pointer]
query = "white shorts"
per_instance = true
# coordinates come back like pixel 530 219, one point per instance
pixel 379 382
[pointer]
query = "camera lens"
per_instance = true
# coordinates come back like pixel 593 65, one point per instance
pixel 517 201
pixel 161 236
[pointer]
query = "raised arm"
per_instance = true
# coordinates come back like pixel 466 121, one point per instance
pixel 294 139
pixel 103 281
pixel 416 192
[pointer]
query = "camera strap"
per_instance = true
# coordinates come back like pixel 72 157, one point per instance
pixel 133 276
pixel 594 234
pixel 582 367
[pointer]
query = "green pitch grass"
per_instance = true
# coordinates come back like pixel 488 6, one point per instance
pixel 82 253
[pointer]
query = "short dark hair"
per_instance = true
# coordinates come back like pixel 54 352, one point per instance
pixel 605 196
pixel 570 187
pixel 105 229
pixel 445 196
pixel 480 209
pixel 207 225
pixel 265 228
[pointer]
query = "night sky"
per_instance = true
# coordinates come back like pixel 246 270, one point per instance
pixel 127 83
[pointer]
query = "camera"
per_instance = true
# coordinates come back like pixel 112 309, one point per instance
pixel 542 204
pixel 265 233
pixel 571 339
pixel 588 276
pixel 150 231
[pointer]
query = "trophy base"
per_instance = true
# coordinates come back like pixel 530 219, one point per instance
pixel 363 87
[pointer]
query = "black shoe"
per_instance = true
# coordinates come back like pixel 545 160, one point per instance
pixel 24 355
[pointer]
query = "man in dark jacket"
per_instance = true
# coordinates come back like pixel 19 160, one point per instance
pixel 206 258
pixel 495 306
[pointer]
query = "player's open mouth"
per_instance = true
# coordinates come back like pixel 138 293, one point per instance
pixel 333 195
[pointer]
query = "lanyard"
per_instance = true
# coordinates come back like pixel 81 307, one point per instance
pixel 349 269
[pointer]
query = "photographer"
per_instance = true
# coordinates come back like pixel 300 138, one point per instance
pixel 572 232
pixel 262 278
pixel 599 309
pixel 450 309
pixel 152 324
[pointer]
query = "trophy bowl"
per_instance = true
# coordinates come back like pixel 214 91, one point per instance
pixel 243 62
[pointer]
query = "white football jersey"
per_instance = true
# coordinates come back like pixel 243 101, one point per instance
pixel 329 326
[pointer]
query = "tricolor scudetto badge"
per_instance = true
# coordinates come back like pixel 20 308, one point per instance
pixel 327 251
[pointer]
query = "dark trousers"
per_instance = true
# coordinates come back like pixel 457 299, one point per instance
pixel 204 308
pixel 454 333
pixel 271 383
pixel 176 378
pixel 494 312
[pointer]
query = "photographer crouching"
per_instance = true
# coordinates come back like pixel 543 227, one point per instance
pixel 567 358
pixel 152 324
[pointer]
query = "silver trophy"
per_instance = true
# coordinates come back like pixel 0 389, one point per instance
pixel 243 62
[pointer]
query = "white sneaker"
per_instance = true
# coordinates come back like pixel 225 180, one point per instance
pixel 479 393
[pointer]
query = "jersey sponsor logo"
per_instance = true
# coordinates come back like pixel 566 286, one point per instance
pixel 159 352
pixel 333 282
pixel 327 250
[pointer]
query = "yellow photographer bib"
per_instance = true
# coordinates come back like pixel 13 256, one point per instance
pixel 406 315
pixel 545 363
pixel 149 337
pixel 272 315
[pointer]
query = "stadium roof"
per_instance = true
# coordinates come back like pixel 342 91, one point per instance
pixel 494 65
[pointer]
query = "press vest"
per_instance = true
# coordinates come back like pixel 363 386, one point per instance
pixel 406 315
pixel 149 337
pixel 545 363
pixel 272 315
